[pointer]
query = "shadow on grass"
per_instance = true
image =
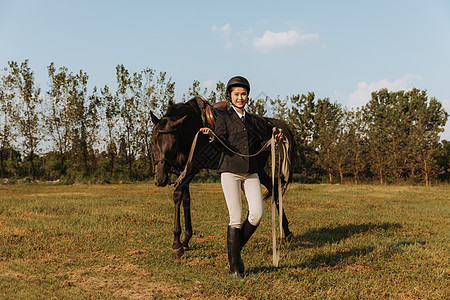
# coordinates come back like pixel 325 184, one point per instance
pixel 339 258
pixel 333 259
pixel 320 260
pixel 328 235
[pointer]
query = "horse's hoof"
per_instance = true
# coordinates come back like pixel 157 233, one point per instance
pixel 235 276
pixel 185 246
pixel 177 253
pixel 289 238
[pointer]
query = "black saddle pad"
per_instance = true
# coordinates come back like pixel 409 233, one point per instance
pixel 208 157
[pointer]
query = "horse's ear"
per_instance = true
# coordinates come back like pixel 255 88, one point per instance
pixel 170 108
pixel 155 119
pixel 178 122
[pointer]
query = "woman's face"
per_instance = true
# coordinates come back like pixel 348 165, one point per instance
pixel 239 97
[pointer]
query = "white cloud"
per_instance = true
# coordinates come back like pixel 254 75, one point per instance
pixel 245 35
pixel 364 90
pixel 224 33
pixel 274 41
pixel 269 42
pixel 210 84
pixel 225 30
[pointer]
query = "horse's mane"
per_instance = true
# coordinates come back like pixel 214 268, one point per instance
pixel 178 110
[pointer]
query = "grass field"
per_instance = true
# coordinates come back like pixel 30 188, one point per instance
pixel 114 242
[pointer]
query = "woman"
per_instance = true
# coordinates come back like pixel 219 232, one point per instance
pixel 239 130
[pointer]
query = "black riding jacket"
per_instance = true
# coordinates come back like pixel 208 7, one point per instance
pixel 242 137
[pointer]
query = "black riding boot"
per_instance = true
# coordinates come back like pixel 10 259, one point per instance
pixel 247 231
pixel 234 249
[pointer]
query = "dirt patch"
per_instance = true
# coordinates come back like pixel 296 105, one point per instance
pixel 129 281
pixel 17 275
pixel 60 194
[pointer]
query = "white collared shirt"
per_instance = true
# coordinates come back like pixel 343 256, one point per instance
pixel 238 113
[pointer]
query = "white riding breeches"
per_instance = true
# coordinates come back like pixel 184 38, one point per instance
pixel 231 185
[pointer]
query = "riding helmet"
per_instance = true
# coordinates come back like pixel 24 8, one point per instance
pixel 237 81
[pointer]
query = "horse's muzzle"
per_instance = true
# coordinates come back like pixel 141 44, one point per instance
pixel 161 182
pixel 161 176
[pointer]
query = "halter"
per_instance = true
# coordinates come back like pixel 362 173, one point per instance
pixel 166 131
pixel 163 159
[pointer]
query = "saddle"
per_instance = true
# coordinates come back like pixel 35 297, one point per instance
pixel 210 112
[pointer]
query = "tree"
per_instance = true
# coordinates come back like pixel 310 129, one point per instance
pixel 397 132
pixel 220 94
pixel 279 108
pixel 144 89
pixel 7 134
pixel 328 125
pixel 128 114
pixel 428 119
pixel 164 93
pixel 150 97
pixel 57 118
pixel 403 133
pixel 92 127
pixel 354 144
pixel 257 106
pixel 443 161
pixel 301 120
pixel 378 126
pixel 84 121
pixel 111 112
pixel 27 115
pixel 194 91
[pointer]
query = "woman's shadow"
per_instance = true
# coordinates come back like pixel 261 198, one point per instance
pixel 319 237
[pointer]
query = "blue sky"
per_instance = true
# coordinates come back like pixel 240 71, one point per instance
pixel 338 49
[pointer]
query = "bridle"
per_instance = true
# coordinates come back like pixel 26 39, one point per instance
pixel 163 159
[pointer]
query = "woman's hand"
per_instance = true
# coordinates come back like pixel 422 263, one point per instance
pixel 206 130
pixel 279 137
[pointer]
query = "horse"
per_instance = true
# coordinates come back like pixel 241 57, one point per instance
pixel 171 140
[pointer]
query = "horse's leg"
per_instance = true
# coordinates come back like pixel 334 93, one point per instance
pixel 266 180
pixel 187 216
pixel 177 247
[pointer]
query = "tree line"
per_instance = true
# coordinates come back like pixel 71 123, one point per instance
pixel 73 134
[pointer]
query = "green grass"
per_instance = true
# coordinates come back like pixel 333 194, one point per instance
pixel 114 242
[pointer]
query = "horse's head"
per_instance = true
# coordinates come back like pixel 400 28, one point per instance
pixel 164 144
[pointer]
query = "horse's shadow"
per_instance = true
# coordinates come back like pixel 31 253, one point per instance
pixel 328 235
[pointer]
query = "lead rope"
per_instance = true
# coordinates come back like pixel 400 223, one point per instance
pixel 189 160
pixel 280 202
pixel 282 169
pixel 275 255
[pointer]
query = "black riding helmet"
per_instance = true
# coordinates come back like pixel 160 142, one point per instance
pixel 237 81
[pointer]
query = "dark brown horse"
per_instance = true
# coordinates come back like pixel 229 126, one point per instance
pixel 172 137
